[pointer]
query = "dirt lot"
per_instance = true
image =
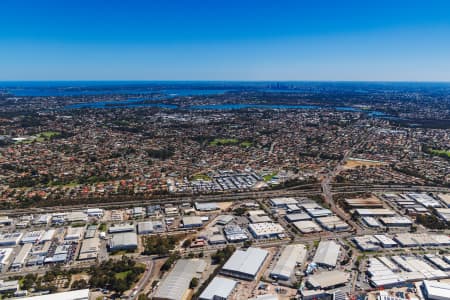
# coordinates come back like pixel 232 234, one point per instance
pixel 354 163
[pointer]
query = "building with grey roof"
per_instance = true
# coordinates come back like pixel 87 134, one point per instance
pixel 192 221
pixel 123 241
pixel 209 206
pixel 19 261
pixel 328 279
pixel 176 283
pixel 290 257
pixel 327 254
pixel 219 288
pixel 89 249
pixel 245 264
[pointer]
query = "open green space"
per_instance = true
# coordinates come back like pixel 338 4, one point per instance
pixel 442 153
pixel 269 177
pixel 223 142
pixel 201 177
pixel 122 275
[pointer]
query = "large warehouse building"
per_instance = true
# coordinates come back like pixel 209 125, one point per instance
pixel 72 295
pixel 175 285
pixel 435 290
pixel 219 288
pixel 123 241
pixel 289 258
pixel 327 254
pixel 245 264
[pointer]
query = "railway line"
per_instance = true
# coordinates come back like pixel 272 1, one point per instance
pixel 236 196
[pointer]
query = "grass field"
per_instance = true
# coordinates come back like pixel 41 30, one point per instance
pixel 269 177
pixel 122 275
pixel 246 144
pixel 223 142
pixel 201 177
pixel 443 153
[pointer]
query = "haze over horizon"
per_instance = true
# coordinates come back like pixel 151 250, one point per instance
pixel 225 41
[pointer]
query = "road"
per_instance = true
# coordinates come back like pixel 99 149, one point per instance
pixel 140 286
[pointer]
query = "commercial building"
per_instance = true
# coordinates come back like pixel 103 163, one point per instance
pixel 371 202
pixel 19 261
pixel 371 222
pixel 118 228
pixel 265 230
pixel 435 290
pixel 76 216
pixel 282 202
pixel 10 286
pixel 245 264
pixel 148 227
pixel 72 295
pixel 297 217
pixel 424 199
pixel 385 241
pixel 367 243
pixel 396 221
pixel 375 212
pixel 328 279
pixel 74 233
pixel 95 212
pixel 224 219
pixel 192 221
pixel 89 249
pixel 219 288
pixel 327 254
pixel 235 233
pixel 333 223
pixel 290 257
pixel 307 226
pixel 48 236
pixel 123 241
pixel 10 239
pixel 5 255
pixel 176 283
pixel 31 237
pixel 209 206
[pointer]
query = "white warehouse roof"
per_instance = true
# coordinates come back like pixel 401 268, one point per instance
pixel 327 253
pixel 245 263
pixel 289 258
pixel 218 288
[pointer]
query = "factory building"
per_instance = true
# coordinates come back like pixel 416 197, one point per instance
pixel 176 283
pixel 19 261
pixel 123 241
pixel 219 288
pixel 5 255
pixel 375 212
pixel 210 206
pixel 148 227
pixel 328 279
pixel 327 254
pixel 89 249
pixel 297 217
pixel 396 221
pixel 290 257
pixel 10 239
pixel 74 233
pixel 435 290
pixel 282 202
pixel 192 221
pixel 245 264
pixel 72 295
pixel 265 230
pixel 118 228
pixel 235 233
pixel 307 226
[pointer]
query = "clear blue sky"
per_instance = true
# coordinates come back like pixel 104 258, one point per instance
pixel 225 40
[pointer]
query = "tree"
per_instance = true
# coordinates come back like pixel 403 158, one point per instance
pixel 194 283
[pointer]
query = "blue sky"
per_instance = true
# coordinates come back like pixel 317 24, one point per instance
pixel 225 40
